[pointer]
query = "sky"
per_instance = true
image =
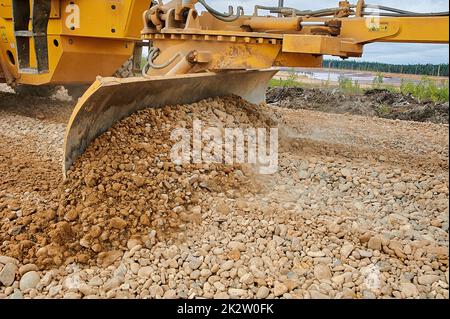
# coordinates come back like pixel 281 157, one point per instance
pixel 398 53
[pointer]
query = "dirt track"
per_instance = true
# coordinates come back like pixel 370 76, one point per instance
pixel 358 209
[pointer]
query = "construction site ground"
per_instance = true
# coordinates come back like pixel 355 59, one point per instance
pixel 357 209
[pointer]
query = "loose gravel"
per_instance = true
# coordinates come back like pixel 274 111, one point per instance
pixel 357 209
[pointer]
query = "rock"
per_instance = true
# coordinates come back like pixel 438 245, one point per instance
pixel 397 247
pixel 236 245
pixel 195 262
pixel 427 279
pixel 365 253
pixel 26 268
pixel 72 282
pixel 367 294
pixel 358 205
pixel 8 260
pixel 121 271
pixel 55 290
pixel 95 281
pixel 334 228
pixel 296 244
pixel 72 295
pixel 47 279
pixel 303 174
pixel 374 243
pixel 29 280
pixel 322 272
pixel 236 293
pixel 17 294
pixel 222 208
pixel 235 254
pixel 113 283
pixel 346 172
pixel 205 273
pixel 406 277
pixel 221 295
pixel 118 223
pixel 71 215
pixel 219 286
pixel 317 295
pixel 195 274
pixel 247 279
pixel 145 272
pixel 316 254
pixel 262 292
pixel 397 219
pixel 338 279
pixel 133 243
pixel 8 274
pixel 108 258
pixel 156 291
pixel 346 250
pixel 279 289
pixel 400 187
pixel 257 273
pixel 409 289
pixel 227 265
pixel 170 294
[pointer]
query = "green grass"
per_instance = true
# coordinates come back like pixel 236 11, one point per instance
pixel 378 81
pixel 291 81
pixel 384 109
pixel 426 90
pixel 284 83
pixel 348 86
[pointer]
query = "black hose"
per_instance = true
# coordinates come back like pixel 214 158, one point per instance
pixel 390 14
pixel 385 11
pixel 399 12
pixel 226 17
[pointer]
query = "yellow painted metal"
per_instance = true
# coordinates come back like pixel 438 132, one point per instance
pixel 224 55
pixel 109 27
pixel 104 41
pixel 105 102
pixel 316 44
pixel 407 29
pixel 294 46
pixel 273 24
pixel 81 60
pixel 6 9
pixel 106 18
pixel 287 59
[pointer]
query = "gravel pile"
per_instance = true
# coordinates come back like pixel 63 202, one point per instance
pixel 125 187
pixel 357 209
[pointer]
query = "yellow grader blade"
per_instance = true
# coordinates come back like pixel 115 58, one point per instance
pixel 110 100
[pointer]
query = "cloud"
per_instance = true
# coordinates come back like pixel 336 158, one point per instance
pixel 378 52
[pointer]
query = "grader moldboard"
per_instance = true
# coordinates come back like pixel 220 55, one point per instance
pixel 191 56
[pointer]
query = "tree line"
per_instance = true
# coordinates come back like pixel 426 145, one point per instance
pixel 420 69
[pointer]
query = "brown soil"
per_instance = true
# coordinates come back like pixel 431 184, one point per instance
pixel 123 187
pixel 375 102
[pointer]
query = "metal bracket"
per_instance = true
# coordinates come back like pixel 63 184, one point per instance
pixel 21 18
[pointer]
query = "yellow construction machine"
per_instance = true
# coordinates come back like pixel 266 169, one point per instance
pixel 191 55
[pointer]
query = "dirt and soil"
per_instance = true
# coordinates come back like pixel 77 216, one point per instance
pixel 357 209
pixel 374 102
